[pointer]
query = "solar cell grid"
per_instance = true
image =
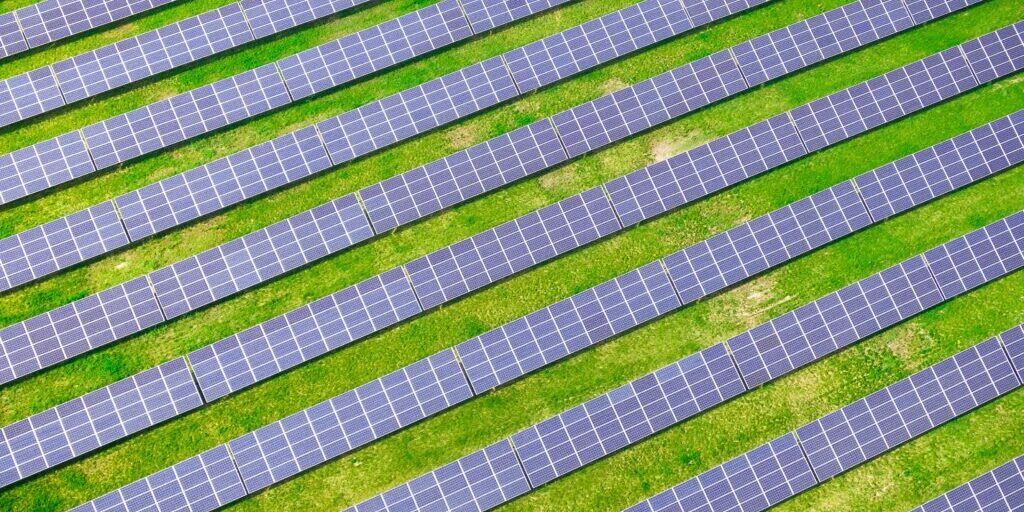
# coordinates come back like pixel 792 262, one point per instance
pixel 818 38
pixel 566 327
pixel 11 39
pixel 730 257
pixel 476 482
pixel 460 176
pixel 693 174
pixel 625 415
pixel 259 256
pixel 50 20
pixel 485 14
pixel 997 54
pixel 1001 489
pixel 303 334
pixel 59 244
pixel 269 17
pixel 702 12
pixel 416 110
pixel 927 10
pixel 499 252
pixel 73 428
pixel 347 421
pixel 1013 340
pixel 334 63
pixel 834 321
pixel 199 484
pixel 28 94
pixel 978 257
pixel 900 412
pixel 186 115
pixel 915 179
pixel 78 327
pixel 754 481
pixel 597 41
pixel 44 164
pixel 623 113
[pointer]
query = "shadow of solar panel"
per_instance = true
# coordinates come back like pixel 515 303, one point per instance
pixel 60 244
pixel 754 481
pixel 11 39
pixel 230 180
pixel 879 100
pixel 442 183
pixel 623 416
pixel 350 420
pixel 199 484
pixel 927 10
pixel 416 110
pixel 334 63
pixel 186 115
pixel 834 321
pixel 259 256
pixel 816 39
pixel 269 17
pixel 706 169
pixel 998 54
pixel 900 412
pixel 50 20
pixel 1013 340
pixel 999 489
pixel 476 482
pixel 302 334
pixel 595 42
pixel 702 12
pixel 978 257
pixel 75 328
pixel 153 52
pixel 499 252
pixel 44 164
pixel 769 240
pixel 73 428
pixel 641 106
pixel 913 180
pixel 28 94
pixel 486 14
pixel 566 327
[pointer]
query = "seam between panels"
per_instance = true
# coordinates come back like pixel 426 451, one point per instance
pixel 284 82
pixel 56 82
pixel 796 129
pixel 323 141
pixel 863 201
pixel 682 7
pixel 554 128
pixel 736 364
pixel 156 297
pixel 803 451
pixel 21 31
pixel 366 214
pixel 469 23
pixel 248 24
pixel 238 470
pixel 120 218
pixel 88 150
pixel 195 379
pixel 510 75
pixel 935 279
pixel 412 286
pixel 963 53
pixel 519 459
pixel 1006 352
pixel 739 69
pixel 668 275
pixel 611 205
pixel 462 366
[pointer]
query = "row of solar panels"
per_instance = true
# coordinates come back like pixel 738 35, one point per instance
pixel 999 490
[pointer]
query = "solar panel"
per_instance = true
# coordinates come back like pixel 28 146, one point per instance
pixel 347 421
pixel 900 412
pixel 471 172
pixel 898 186
pixel 476 482
pixel 416 110
pixel 269 17
pixel 818 38
pixel 230 180
pixel 978 257
pixel 834 321
pixel 11 39
pixel 44 164
pixel 50 20
pixel 996 54
pixel 927 10
pixel 259 256
pixel 636 108
pixel 156 51
pixel 28 94
pixel 302 334
pixel 75 328
pixel 199 484
pixel 693 174
pixel 499 252
pixel 595 42
pixel 1001 489
pixel 754 481
pixel 702 12
pixel 484 14
pixel 627 414
pixel 566 327
pixel 342 60
pixel 186 115
pixel 1013 340
pixel 73 428
pixel 59 244
pixel 895 94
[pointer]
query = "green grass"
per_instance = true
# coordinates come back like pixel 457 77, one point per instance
pixel 896 481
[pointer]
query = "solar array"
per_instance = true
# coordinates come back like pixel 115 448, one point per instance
pixel 979 257
pixel 11 39
pixel 268 17
pixel 1001 489
pixel 484 15
pixel 996 54
pixel 1013 340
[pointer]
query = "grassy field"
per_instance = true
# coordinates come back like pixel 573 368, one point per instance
pixel 897 481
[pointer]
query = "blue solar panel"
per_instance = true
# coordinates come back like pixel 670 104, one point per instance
pixel 340 61
pixel 648 103
pixel 900 412
pixel 11 39
pixel 101 417
pixel 50 20
pixel 476 482
pixel 538 236
pixel 996 54
pixel 350 420
pixel 595 42
pixel 302 334
pixel 486 14
pixel 269 17
pixel 927 10
pixel 471 172
pixel 754 481
pixel 42 165
pixel 702 12
pixel 1013 340
pixel 978 257
pixel 566 327
pixel 999 490
pixel 28 94
pixel 625 415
